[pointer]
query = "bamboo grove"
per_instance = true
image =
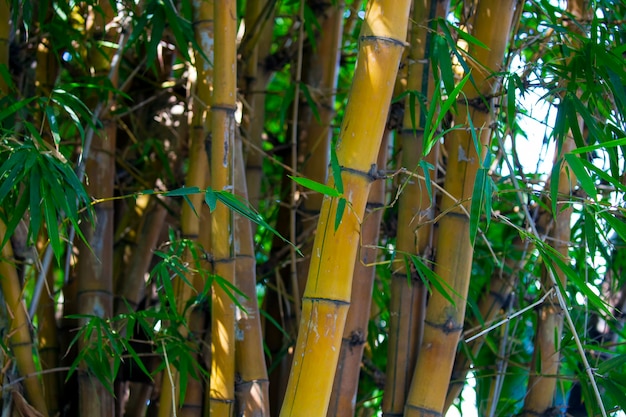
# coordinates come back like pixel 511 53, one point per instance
pixel 312 208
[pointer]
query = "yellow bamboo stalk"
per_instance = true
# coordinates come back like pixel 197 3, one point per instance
pixel 345 386
pixel 490 305
pixel 20 340
pixel 444 320
pixel 408 294
pixel 49 347
pixel 252 386
pixel 222 383
pixel 319 73
pixel 327 294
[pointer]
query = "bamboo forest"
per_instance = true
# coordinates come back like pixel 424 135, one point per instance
pixel 312 208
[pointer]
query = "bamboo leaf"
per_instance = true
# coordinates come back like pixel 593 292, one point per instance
pixel 316 186
pixel 426 167
pixel 581 174
pixel 183 191
pixel 617 225
pixel 554 185
pixel 479 197
pixel 445 107
pixel 14 108
pixel 604 145
pixel 53 230
pixel 336 170
pixel 554 260
pixel 238 206
pixel 429 276
pixel 312 104
pixel 341 207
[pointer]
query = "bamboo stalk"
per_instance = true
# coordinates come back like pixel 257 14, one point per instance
pixel 444 320
pixel 490 305
pixel 259 20
pixel 546 356
pixel 252 386
pixel 327 294
pixel 345 386
pixel 94 268
pixel 20 339
pixel 222 383
pixel 408 293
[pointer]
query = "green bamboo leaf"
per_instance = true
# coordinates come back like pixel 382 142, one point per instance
pixel 238 206
pixel 336 170
pixel 286 103
pixel 316 186
pixel 428 276
pixel 443 61
pixel 183 191
pixel 53 229
pixel 582 175
pixel 156 34
pixel 341 207
pixel 180 27
pixel 14 108
pixel 510 102
pixel 615 182
pixel 616 224
pixel 479 196
pixel 554 185
pixel 589 223
pixel 426 167
pixel 312 104
pixel 616 391
pixel 445 107
pixel 604 145
pixel 54 125
pixel 429 128
pixel 554 260
pixel 310 25
pixel 35 186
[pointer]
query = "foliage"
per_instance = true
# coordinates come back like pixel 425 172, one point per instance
pixel 575 72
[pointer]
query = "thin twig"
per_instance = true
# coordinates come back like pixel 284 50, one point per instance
pixel 510 317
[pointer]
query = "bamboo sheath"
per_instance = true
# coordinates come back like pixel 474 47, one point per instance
pixel 328 289
pixel 408 294
pixel 222 382
pixel 444 320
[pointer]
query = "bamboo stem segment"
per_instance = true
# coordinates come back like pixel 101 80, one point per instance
pixel 222 383
pixel 328 289
pixel 444 319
